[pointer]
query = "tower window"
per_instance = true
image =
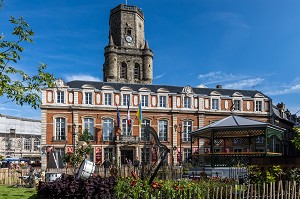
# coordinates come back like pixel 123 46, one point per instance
pixel 123 73
pixel 136 71
pixel 128 31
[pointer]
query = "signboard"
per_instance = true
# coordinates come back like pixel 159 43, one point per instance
pixel 70 149
pixel 154 154
pixel 98 154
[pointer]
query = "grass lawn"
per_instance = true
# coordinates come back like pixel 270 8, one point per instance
pixel 10 192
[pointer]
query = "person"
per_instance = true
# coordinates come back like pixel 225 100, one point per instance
pixel 136 162
pixel 106 164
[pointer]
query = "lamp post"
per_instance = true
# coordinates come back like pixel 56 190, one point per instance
pixel 73 140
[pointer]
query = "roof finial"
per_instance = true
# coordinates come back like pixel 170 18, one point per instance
pixel 146 45
pixel 111 41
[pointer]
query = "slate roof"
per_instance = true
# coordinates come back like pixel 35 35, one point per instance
pixel 172 89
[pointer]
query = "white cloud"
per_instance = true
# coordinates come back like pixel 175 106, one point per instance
pixel 244 84
pixel 292 89
pixel 218 77
pixel 159 76
pixel 81 77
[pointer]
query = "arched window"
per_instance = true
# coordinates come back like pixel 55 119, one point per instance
pixel 136 71
pixel 123 71
pixel 89 126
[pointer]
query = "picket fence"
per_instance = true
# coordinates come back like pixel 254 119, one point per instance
pixel 279 190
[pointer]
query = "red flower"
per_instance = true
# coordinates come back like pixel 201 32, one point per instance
pixel 134 175
pixel 133 183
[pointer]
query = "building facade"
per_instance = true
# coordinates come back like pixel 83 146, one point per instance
pixel 108 109
pixel 20 137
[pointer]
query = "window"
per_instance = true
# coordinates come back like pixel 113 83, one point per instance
pixel 237 150
pixel 215 104
pixel 126 99
pixel 27 144
pixel 107 129
pixel 258 106
pixel 126 128
pixel 186 102
pixel 186 155
pixel 136 71
pixel 145 155
pixel 162 101
pixel 107 99
pixel 163 130
pixel 60 128
pixel 36 144
pixel 88 97
pixel 89 126
pixel 144 100
pixel 144 136
pixel 237 105
pixel 123 71
pixel 108 153
pixel 187 128
pixel 128 31
pixel 60 97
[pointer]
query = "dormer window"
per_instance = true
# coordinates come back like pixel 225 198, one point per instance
pixel 186 102
pixel 215 104
pixel 107 99
pixel 60 97
pixel 88 97
pixel 126 99
pixel 237 105
pixel 144 100
pixel 258 106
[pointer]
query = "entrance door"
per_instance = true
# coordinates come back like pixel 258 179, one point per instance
pixel 126 154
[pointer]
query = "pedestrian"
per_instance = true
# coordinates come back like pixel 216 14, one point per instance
pixel 106 164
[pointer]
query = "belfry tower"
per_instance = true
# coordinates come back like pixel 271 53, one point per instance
pixel 128 58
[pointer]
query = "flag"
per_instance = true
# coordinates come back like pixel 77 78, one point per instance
pixel 139 114
pixel 128 114
pixel 118 117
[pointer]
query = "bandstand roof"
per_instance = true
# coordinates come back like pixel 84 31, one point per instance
pixel 235 126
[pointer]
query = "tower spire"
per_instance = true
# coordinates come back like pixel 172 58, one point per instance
pixel 146 47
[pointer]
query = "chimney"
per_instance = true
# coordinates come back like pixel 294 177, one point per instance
pixel 219 86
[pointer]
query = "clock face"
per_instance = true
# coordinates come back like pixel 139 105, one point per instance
pixel 128 39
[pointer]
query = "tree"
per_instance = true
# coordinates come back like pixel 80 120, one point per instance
pixel 296 139
pixel 15 84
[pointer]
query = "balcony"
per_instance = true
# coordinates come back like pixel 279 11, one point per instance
pixel 127 139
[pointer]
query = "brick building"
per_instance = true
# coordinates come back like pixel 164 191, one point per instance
pixel 173 111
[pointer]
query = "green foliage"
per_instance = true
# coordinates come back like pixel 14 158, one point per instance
pixel 294 175
pixel 296 139
pixel 81 152
pixel 256 176
pixel 15 84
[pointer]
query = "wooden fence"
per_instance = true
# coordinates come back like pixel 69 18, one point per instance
pixel 279 190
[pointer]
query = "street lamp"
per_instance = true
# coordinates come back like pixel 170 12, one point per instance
pixel 180 141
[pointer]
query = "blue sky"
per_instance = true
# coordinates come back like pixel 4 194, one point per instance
pixel 241 44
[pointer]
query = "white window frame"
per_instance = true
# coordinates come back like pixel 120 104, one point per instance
pixel 27 144
pixel 187 127
pixel 163 130
pixel 126 99
pixel 261 106
pixel 107 131
pixel 218 104
pixel 105 101
pixel 162 101
pixel 187 102
pixel 144 99
pixel 58 135
pixel 240 104
pixel 60 99
pixel 89 124
pixel 126 130
pixel 36 144
pixel 88 95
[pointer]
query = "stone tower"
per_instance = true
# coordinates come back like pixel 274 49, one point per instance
pixel 128 58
